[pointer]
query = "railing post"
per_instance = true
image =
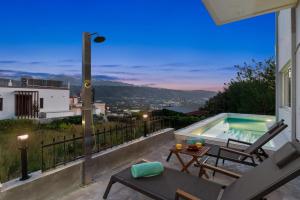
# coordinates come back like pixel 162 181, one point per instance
pixel 64 149
pixel 74 148
pixel 98 141
pixel 131 131
pixel 104 136
pixel 110 133
pixel 126 133
pixel 42 144
pixel 54 156
pixel 116 133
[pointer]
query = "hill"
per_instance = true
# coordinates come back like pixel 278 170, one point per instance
pixel 145 97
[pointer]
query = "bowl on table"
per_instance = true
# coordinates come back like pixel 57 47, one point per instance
pixel 193 147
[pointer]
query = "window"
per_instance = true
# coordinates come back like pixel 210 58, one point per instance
pixel 1 104
pixel 41 102
pixel 287 87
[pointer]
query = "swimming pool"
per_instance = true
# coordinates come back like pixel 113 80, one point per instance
pixel 219 128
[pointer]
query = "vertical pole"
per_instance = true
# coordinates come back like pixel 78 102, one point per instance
pixel 294 64
pixel 87 109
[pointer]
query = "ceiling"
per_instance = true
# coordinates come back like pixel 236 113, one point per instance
pixel 225 11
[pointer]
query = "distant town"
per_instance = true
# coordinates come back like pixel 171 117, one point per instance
pixel 29 98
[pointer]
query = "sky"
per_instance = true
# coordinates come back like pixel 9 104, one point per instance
pixel 158 43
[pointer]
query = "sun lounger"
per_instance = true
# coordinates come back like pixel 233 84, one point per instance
pixel 278 169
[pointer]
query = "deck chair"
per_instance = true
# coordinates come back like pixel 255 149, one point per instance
pixel 280 168
pixel 245 156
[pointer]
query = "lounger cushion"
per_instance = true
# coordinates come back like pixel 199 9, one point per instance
pixel 164 186
pixel 285 155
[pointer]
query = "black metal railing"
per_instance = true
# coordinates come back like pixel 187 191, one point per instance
pixel 66 150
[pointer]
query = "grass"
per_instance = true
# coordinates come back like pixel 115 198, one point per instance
pixel 10 154
pixel 57 130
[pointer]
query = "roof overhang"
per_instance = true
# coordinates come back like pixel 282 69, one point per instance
pixel 225 11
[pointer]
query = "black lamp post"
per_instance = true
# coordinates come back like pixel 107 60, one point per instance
pixel 145 117
pixel 87 117
pixel 22 140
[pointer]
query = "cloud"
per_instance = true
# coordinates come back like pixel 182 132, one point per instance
pixel 123 73
pixel 226 69
pixel 67 65
pixel 149 85
pixel 108 65
pixel 35 63
pixel 175 64
pixel 138 66
pixel 129 79
pixel 8 61
pixel 70 60
pixel 20 62
pixel 18 74
pixel 105 77
pixel 196 70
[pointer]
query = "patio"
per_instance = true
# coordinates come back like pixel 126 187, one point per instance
pixel 290 191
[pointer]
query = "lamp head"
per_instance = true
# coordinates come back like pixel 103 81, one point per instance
pixel 23 137
pixel 145 116
pixel 99 39
pixel 22 140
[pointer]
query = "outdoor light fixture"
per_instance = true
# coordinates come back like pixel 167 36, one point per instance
pixel 87 116
pixel 145 116
pixel 23 139
pixel 99 39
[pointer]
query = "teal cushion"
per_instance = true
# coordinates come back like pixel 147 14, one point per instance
pixel 147 169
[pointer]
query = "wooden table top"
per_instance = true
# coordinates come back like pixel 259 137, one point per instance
pixel 201 152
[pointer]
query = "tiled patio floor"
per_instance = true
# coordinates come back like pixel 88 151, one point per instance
pixel 290 191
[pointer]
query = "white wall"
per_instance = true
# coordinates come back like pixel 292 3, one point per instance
pixel 284 56
pixel 284 37
pixel 8 96
pixel 298 72
pixel 99 108
pixel 285 113
pixel 54 100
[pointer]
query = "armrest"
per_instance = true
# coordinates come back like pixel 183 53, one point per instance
pixel 220 170
pixel 185 195
pixel 236 141
pixel 235 151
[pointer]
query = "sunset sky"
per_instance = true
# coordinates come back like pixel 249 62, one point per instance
pixel 158 43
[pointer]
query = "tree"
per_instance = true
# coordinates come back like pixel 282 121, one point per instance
pixel 251 91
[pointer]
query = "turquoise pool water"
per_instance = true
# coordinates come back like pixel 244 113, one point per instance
pixel 246 129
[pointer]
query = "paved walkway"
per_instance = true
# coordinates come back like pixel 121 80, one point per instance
pixel 290 191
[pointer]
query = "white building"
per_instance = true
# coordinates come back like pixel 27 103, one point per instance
pixel 287 49
pixel 33 98
pixel 99 108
